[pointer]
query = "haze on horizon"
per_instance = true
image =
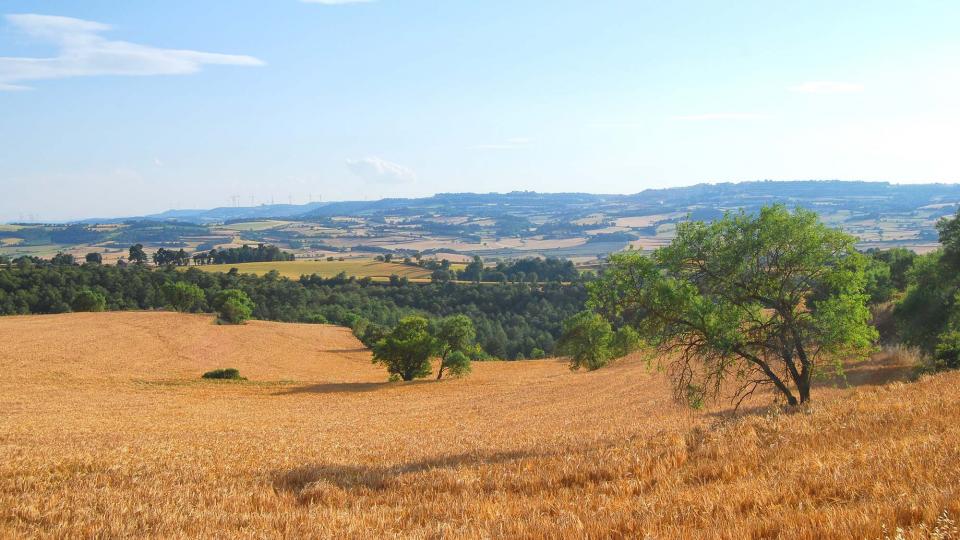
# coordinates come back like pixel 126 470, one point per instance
pixel 115 110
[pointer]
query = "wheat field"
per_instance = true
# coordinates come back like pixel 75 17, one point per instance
pixel 107 431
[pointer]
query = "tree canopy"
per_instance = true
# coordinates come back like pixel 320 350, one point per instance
pixel 760 299
pixel 406 350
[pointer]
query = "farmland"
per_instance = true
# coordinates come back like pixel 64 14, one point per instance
pixel 111 439
pixel 359 268
pixel 501 226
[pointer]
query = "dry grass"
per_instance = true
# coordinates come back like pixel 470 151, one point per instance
pixel 107 431
pixel 359 268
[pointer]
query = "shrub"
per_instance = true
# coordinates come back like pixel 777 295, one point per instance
pixel 457 364
pixel 224 373
pixel 233 306
pixel 625 341
pixel 89 300
pixel 183 296
pixel 586 340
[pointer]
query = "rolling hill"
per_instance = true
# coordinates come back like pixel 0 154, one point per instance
pixel 108 431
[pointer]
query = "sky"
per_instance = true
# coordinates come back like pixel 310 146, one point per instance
pixel 111 108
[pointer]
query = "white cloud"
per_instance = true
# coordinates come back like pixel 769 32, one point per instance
pixel 719 116
pixel 827 87
pixel 510 144
pixel 84 52
pixel 377 170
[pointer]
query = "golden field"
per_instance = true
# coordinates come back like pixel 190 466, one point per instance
pixel 359 268
pixel 107 431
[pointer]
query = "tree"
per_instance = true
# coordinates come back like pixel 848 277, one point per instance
pixel 89 300
pixel 457 363
pixel 761 299
pixel 625 341
pixel 233 306
pixel 137 255
pixel 62 259
pixel 184 296
pixel 94 258
pixel 454 334
pixel 406 350
pixel 586 340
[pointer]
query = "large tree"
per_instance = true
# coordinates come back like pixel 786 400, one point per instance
pixel 760 299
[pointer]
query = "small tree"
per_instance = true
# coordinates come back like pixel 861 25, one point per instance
pixel 94 258
pixel 457 364
pixel 406 350
pixel 89 300
pixel 454 334
pixel 233 306
pixel 760 299
pixel 586 340
pixel 137 255
pixel 184 296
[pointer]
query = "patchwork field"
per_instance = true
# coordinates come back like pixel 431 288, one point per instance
pixel 107 431
pixel 359 268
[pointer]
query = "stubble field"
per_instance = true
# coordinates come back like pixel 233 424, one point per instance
pixel 107 431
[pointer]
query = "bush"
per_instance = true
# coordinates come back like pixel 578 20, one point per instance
pixel 947 353
pixel 625 341
pixel 224 373
pixel 586 340
pixel 457 364
pixel 183 296
pixel 233 306
pixel 89 300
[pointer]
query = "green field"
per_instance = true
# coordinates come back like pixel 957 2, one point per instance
pixel 9 228
pixel 359 268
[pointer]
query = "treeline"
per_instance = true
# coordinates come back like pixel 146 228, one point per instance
pixel 531 270
pixel 512 321
pixel 244 254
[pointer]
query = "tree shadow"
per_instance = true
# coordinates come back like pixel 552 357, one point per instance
pixel 354 350
pixel 349 387
pixel 371 479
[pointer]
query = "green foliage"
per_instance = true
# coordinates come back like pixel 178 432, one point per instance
pixel 233 306
pixel 537 353
pixel 224 373
pixel 764 297
pixel 586 340
pixel 61 258
pixel 137 255
pixel 454 334
pixel 184 297
pixel 457 364
pixel 94 258
pixel 947 352
pixel 89 300
pixel 626 340
pixel 509 319
pixel 406 350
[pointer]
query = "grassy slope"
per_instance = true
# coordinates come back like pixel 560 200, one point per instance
pixel 108 431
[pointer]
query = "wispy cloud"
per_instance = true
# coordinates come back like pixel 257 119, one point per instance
pixel 827 87
pixel 380 171
pixel 83 52
pixel 509 144
pixel 709 117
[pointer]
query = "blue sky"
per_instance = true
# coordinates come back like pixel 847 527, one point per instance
pixel 114 108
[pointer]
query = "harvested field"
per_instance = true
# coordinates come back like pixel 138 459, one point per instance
pixel 108 431
pixel 359 268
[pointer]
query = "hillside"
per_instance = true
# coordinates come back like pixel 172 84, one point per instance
pixel 108 431
pixel 579 226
